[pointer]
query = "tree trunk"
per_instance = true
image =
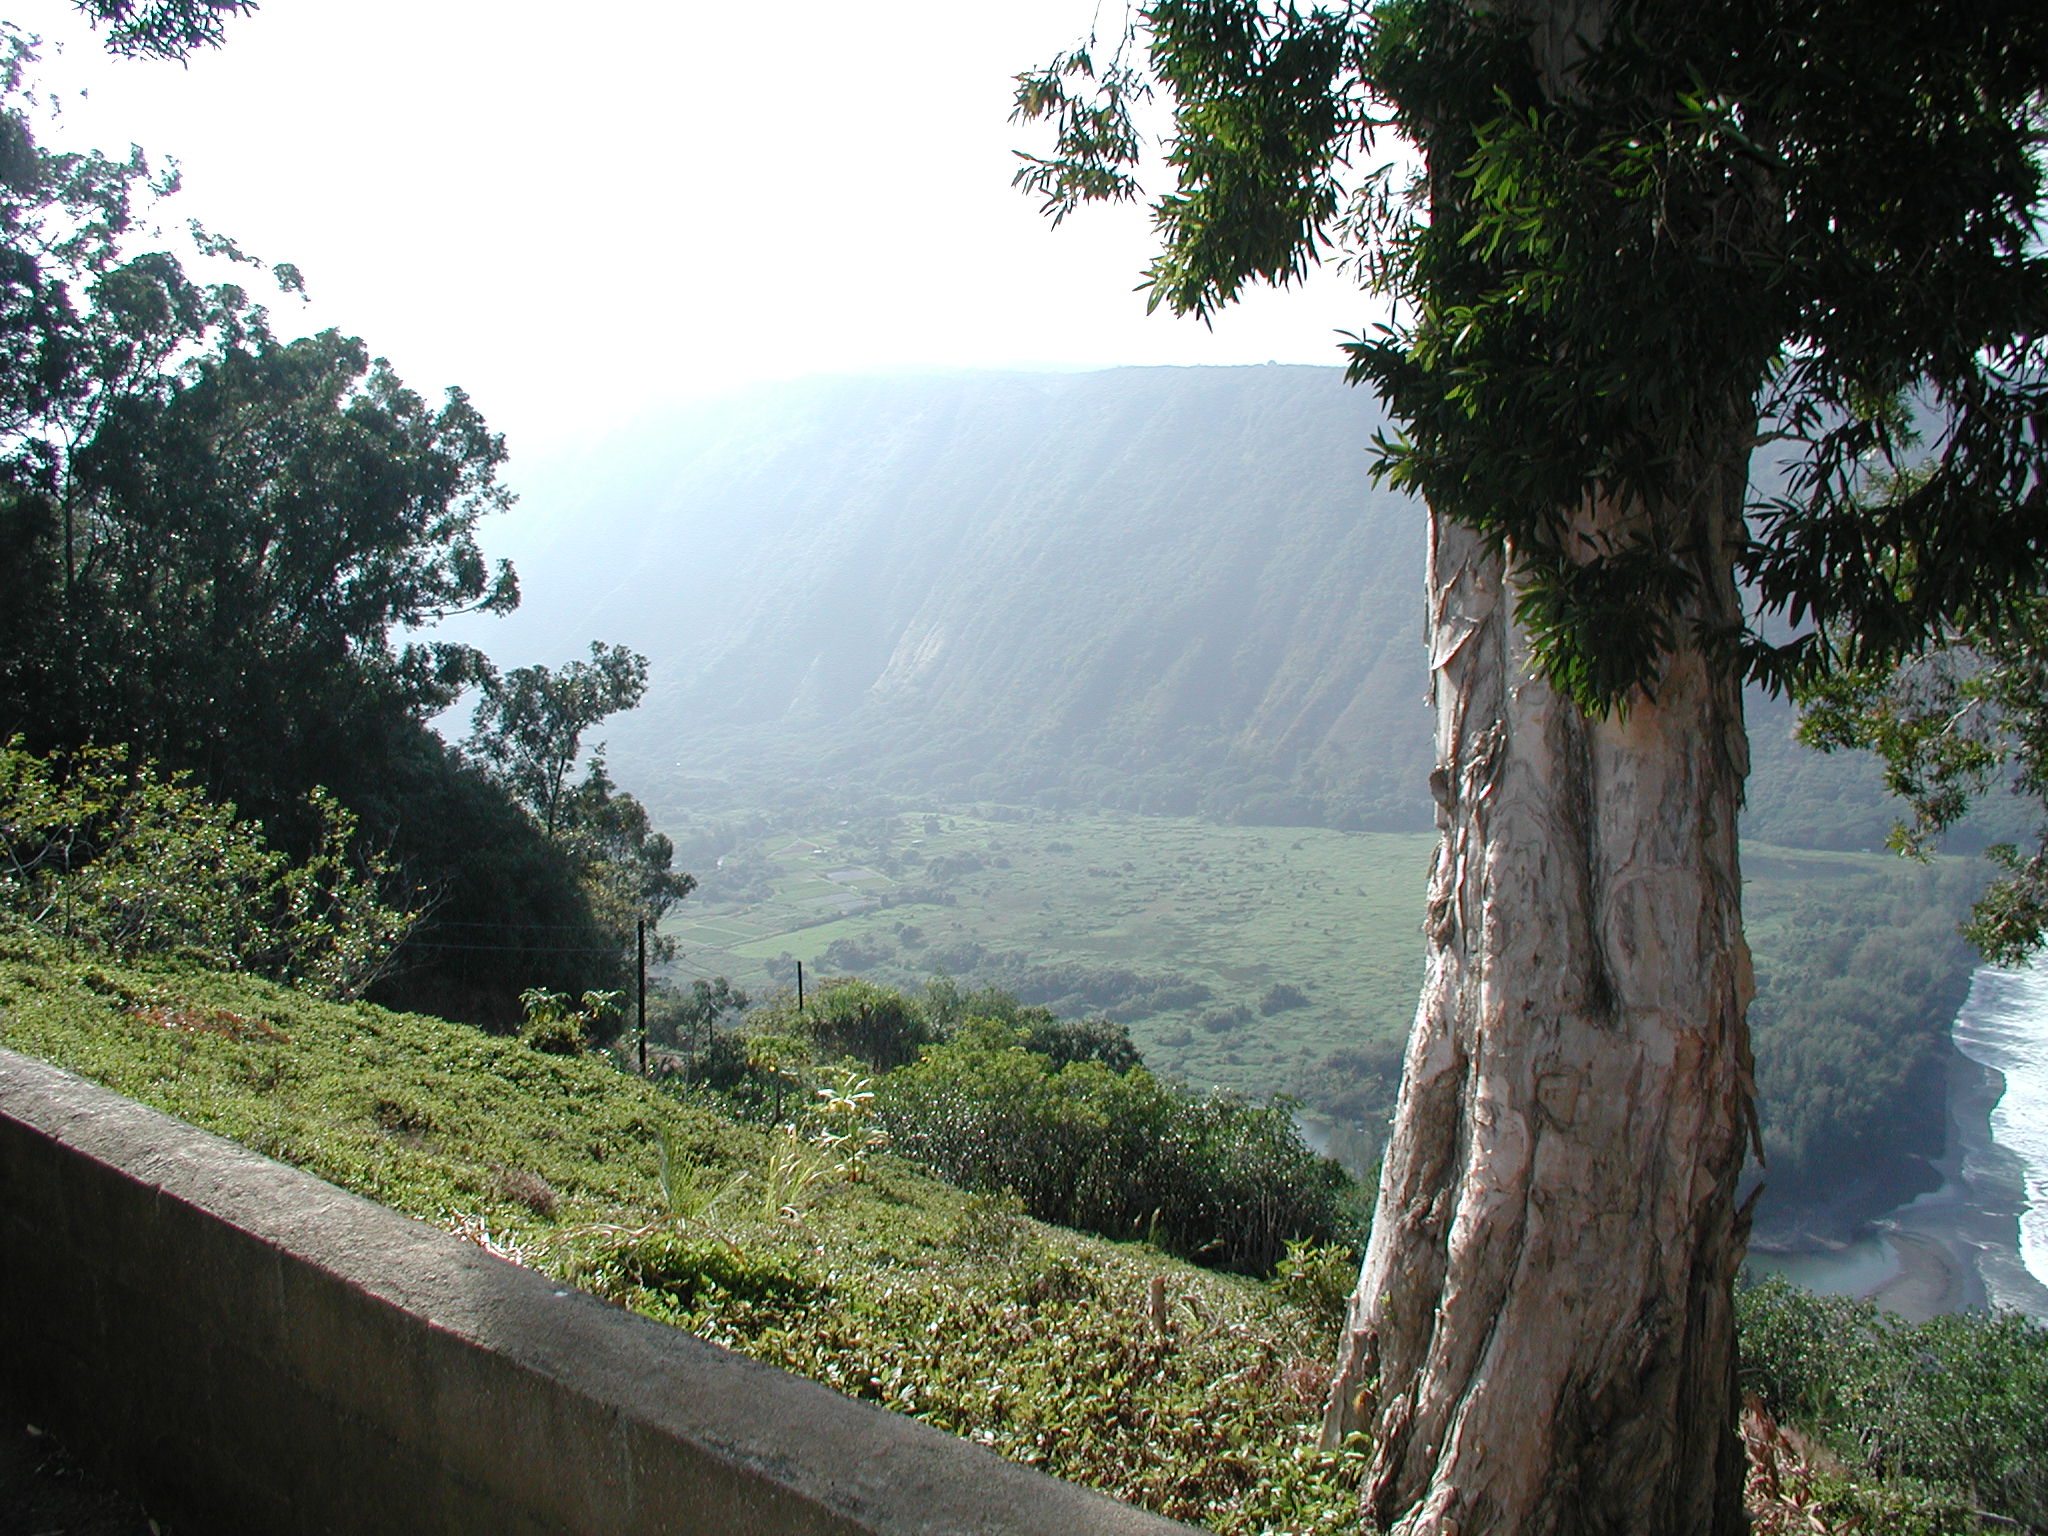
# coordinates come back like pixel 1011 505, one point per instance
pixel 1542 1338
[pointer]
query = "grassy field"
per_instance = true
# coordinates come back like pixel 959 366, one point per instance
pixel 1221 914
pixel 1179 928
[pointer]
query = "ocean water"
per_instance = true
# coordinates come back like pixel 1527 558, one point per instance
pixel 2004 1025
pixel 1857 1270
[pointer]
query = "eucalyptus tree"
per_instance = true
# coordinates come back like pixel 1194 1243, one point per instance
pixel 529 723
pixel 1644 243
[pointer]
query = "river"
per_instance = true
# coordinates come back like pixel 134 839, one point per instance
pixel 1982 1238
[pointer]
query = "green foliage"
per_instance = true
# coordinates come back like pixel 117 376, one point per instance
pixel 690 1019
pixel 1357 1084
pixel 1960 1401
pixel 529 723
pixel 1063 1041
pixel 897 1289
pixel 163 29
pixel 1012 1101
pixel 1118 1152
pixel 241 538
pixel 114 854
pixel 782 1064
pixel 1949 726
pixel 622 863
pixel 527 734
pixel 1318 1277
pixel 687 1273
pixel 508 908
pixel 555 1027
pixel 952 1307
pixel 850 1017
pixel 841 1122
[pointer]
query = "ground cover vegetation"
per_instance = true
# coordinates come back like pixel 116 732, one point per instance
pixel 1189 1391
pixel 215 539
pixel 1952 1404
pixel 804 1243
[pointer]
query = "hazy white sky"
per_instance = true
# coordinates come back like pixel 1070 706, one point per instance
pixel 582 215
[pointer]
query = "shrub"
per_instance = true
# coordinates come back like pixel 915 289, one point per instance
pixel 1317 1277
pixel 1960 1400
pixel 683 1270
pixel 850 1017
pixel 556 1028
pixel 131 861
pixel 949 1005
pixel 1217 1180
pixel 1070 1040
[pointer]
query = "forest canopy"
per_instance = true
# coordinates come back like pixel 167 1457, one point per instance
pixel 223 547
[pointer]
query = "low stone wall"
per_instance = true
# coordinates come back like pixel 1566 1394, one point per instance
pixel 261 1352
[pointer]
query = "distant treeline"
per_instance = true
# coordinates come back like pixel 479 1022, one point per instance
pixel 1857 986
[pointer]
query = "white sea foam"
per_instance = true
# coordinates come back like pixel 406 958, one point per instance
pixel 2004 1024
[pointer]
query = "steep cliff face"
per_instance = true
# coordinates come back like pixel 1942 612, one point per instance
pixel 1169 589
pixel 1164 572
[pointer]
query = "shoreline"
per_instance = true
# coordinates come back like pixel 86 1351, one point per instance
pixel 1939 1269
pixel 1932 1279
pixel 1954 1248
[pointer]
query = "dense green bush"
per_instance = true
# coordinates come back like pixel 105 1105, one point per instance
pixel 948 1005
pixel 1217 1180
pixel 117 856
pixel 1960 1400
pixel 851 1017
pixel 999 1096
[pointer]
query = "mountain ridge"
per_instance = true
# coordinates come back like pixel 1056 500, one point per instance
pixel 1163 589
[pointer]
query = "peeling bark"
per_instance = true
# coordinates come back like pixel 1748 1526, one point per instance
pixel 1542 1339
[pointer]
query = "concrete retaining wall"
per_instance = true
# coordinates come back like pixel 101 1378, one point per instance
pixel 265 1353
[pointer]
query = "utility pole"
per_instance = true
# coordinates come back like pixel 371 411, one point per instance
pixel 640 935
pixel 799 986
